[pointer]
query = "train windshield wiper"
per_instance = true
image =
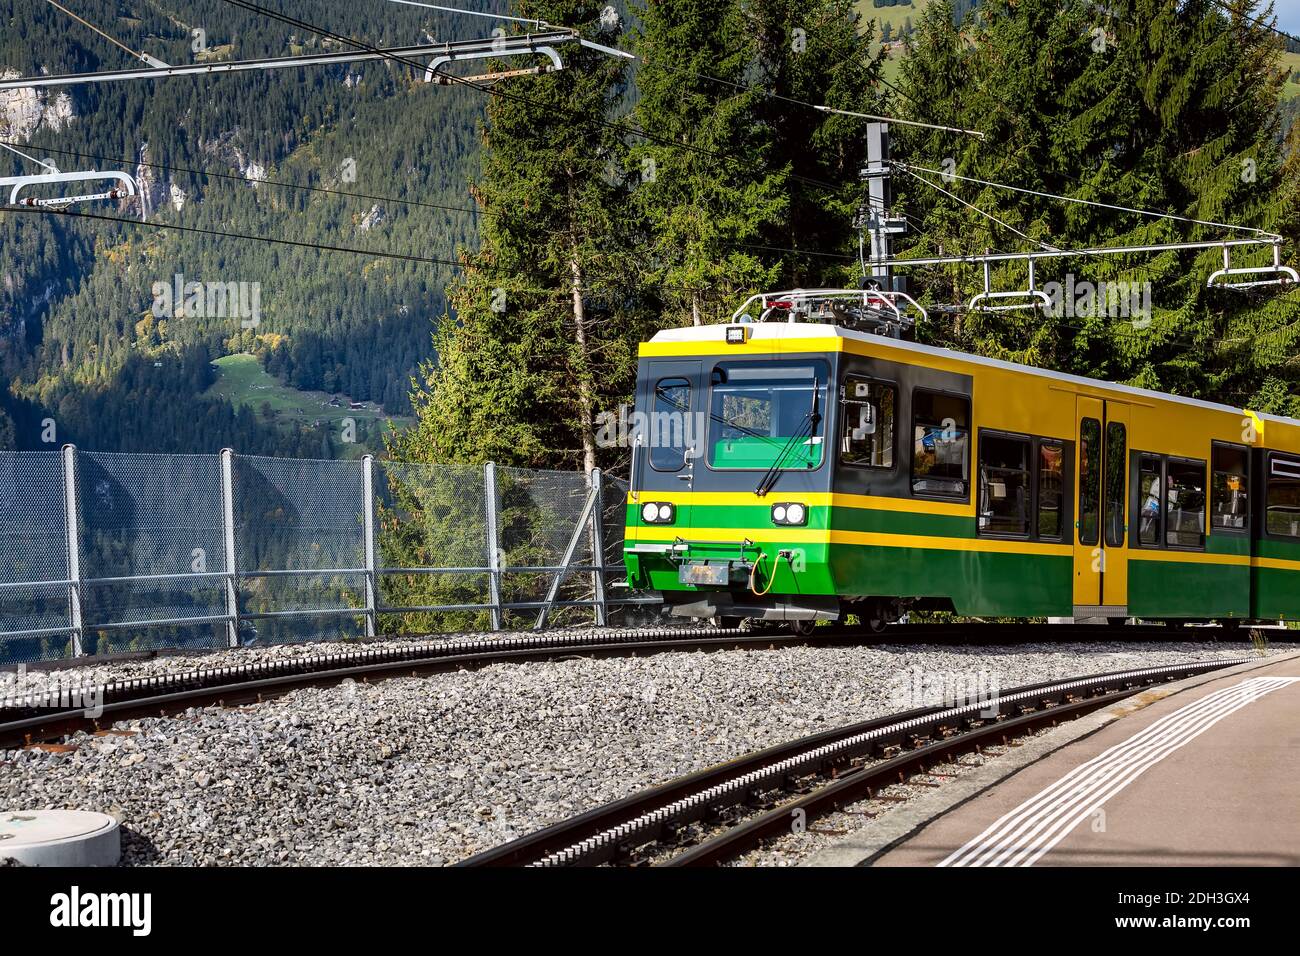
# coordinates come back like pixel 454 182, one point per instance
pixel 807 429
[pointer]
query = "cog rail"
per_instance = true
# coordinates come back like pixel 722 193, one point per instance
pixel 748 799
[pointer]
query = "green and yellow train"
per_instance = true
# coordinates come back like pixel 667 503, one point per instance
pixel 797 471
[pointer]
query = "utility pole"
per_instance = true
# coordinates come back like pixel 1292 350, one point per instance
pixel 876 220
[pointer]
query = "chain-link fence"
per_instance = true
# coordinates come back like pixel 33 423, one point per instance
pixel 109 553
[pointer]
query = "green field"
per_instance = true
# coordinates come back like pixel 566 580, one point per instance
pixel 243 381
pixel 1291 61
pixel 896 17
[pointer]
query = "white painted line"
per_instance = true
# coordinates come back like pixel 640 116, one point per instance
pixel 1142 750
pixel 1023 835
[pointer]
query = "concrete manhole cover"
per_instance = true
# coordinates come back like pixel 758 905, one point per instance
pixel 60 838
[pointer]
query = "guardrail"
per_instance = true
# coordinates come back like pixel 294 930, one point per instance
pixel 104 552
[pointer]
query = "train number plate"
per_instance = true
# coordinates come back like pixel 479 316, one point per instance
pixel 702 572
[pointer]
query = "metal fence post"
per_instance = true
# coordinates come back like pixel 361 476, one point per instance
pixel 567 561
pixel 228 545
pixel 493 542
pixel 598 546
pixel 368 522
pixel 72 516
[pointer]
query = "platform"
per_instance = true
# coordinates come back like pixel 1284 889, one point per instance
pixel 1200 773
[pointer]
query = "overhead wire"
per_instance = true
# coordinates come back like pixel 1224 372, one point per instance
pixel 135 54
pixel 32 159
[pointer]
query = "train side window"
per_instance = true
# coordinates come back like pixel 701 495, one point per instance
pixel 1005 487
pixel 1051 488
pixel 1283 496
pixel 669 424
pixel 1089 481
pixel 869 409
pixel 1116 463
pixel 1185 515
pixel 941 444
pixel 1151 507
pixel 1229 484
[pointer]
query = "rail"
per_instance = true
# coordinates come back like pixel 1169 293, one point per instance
pixel 717 814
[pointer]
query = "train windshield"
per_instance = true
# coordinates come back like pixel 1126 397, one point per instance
pixel 767 415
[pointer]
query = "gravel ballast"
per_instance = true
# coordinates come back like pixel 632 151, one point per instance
pixel 431 770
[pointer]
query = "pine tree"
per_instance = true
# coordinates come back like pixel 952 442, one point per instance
pixel 545 314
pixel 703 215
pixel 813 51
pixel 1157 106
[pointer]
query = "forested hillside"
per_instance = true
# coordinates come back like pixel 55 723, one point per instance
pixel 605 201
pixel 727 179
pixel 78 340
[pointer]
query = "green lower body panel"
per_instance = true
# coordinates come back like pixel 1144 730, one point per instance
pixel 1276 590
pixel 977 582
pixel 1277 594
pixel 995 582
pixel 803 569
pixel 1188 589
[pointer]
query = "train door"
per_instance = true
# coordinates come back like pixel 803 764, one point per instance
pixel 1101 528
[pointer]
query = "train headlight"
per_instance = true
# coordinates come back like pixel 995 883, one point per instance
pixel 789 513
pixel 654 512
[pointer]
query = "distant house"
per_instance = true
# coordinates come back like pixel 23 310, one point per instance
pixel 356 405
pixel 336 402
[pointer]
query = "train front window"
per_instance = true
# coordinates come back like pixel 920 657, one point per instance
pixel 1284 496
pixel 767 415
pixel 867 435
pixel 941 444
pixel 1229 495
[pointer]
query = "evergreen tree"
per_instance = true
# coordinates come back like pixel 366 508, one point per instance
pixel 817 52
pixel 546 318
pixel 1164 107
pixel 703 214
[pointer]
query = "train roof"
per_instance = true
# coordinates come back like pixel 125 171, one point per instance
pixel 778 331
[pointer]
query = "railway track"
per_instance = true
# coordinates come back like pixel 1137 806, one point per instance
pixel 27 719
pixel 32 718
pixel 718 814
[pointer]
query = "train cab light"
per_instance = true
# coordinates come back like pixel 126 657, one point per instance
pixel 789 513
pixel 737 335
pixel 654 512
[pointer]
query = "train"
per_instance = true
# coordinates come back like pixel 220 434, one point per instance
pixel 802 470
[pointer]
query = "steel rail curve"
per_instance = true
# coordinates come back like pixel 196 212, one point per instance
pixel 823 771
pixel 41 716
pixel 61 710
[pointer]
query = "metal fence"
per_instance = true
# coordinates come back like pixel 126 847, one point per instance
pixel 107 553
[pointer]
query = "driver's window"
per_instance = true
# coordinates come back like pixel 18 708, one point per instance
pixel 868 416
pixel 669 425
